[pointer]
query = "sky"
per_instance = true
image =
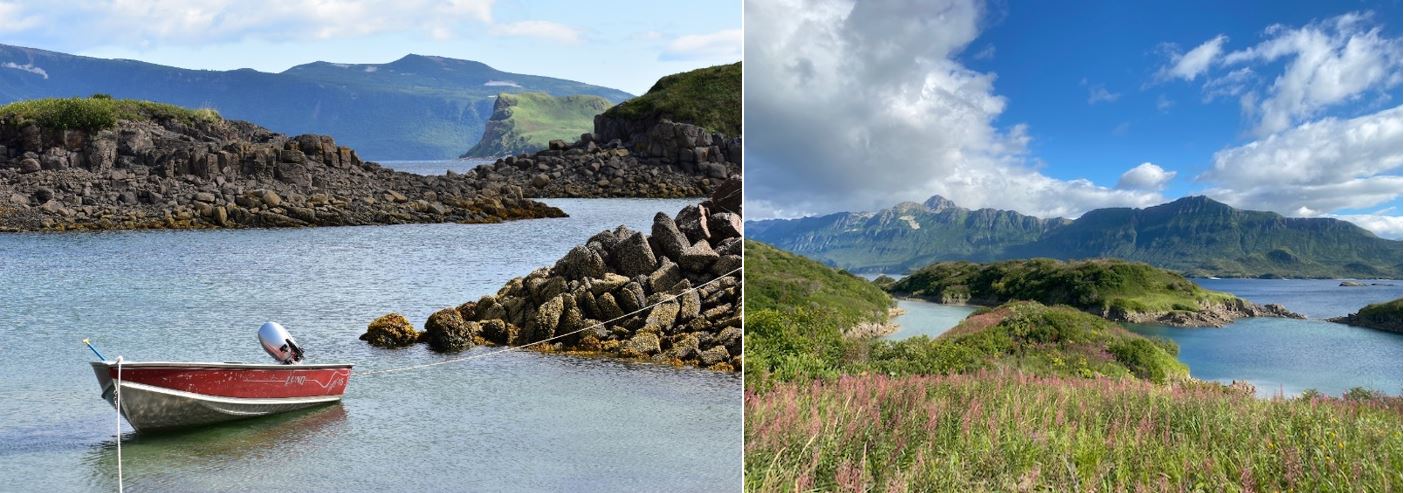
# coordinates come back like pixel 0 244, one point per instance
pixel 1054 109
pixel 625 45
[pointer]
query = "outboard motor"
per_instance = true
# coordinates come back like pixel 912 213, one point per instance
pixel 279 343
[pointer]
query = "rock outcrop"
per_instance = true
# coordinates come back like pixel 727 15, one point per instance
pixel 174 173
pixel 1209 314
pixel 624 294
pixel 670 159
pixel 1385 316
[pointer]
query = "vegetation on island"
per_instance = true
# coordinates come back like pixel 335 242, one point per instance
pixel 1387 316
pixel 707 97
pixel 527 122
pixel 98 112
pixel 1030 397
pixel 1093 285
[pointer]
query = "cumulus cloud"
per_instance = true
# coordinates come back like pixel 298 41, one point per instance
pixel 1316 168
pixel 1323 64
pixel 724 44
pixel 1192 64
pixel 1146 176
pixel 207 21
pixel 1327 63
pixel 1100 94
pixel 859 106
pixel 1382 225
pixel 547 30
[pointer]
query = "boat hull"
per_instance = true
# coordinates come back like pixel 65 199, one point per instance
pixel 162 396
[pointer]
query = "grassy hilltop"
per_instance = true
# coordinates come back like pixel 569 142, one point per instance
pixel 526 122
pixel 708 97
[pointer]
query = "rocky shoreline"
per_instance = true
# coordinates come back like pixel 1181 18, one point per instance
pixel 168 173
pixel 174 174
pixel 669 160
pixel 622 294
pixel 1379 316
pixel 1209 314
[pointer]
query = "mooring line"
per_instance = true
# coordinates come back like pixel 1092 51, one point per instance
pixel 557 336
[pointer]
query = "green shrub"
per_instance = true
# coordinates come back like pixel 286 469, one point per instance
pixel 98 112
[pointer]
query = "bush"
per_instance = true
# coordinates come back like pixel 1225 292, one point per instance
pixel 98 112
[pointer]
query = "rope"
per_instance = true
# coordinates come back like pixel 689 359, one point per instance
pixel 549 339
pixel 118 406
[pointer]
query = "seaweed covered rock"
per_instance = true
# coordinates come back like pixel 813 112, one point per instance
pixel 621 294
pixel 391 330
pixel 447 332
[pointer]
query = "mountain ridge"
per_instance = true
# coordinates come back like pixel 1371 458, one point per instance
pixel 1195 235
pixel 415 107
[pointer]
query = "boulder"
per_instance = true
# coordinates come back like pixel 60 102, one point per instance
pixel 391 330
pixel 692 221
pixel 698 257
pixel 724 225
pixel 580 263
pixel 665 277
pixel 661 318
pixel 633 256
pixel 670 241
pixel 716 354
pixel 543 322
pixel 446 331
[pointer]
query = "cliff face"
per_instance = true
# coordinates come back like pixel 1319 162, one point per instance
pixel 163 171
pixel 527 122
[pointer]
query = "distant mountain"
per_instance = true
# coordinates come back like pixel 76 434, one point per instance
pixel 417 107
pixel 904 237
pixel 1194 235
pixel 526 122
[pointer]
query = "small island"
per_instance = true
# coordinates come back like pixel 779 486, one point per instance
pixel 1387 316
pixel 1117 290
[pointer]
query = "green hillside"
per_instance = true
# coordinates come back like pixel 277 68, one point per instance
pixel 1196 236
pixel 527 122
pixel 1093 285
pixel 708 97
pixel 778 280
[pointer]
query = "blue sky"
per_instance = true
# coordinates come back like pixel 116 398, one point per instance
pixel 1047 108
pixel 624 44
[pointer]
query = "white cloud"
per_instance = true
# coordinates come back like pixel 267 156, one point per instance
pixel 1382 225
pixel 31 68
pixel 858 107
pixel 1317 168
pixel 1163 103
pixel 206 21
pixel 1330 62
pixel 1146 176
pixel 1324 64
pixel 547 30
pixel 1099 94
pixel 1189 66
pixel 718 45
pixel 13 18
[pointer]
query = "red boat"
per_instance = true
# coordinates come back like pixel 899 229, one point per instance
pixel 164 395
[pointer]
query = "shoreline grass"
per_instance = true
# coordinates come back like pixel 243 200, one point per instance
pixel 1011 431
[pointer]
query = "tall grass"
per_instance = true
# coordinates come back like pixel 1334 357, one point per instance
pixel 1010 431
pixel 98 112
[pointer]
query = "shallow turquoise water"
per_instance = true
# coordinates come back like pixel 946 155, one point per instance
pixel 510 422
pixel 924 318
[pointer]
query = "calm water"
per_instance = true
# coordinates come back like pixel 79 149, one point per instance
pixel 510 422
pixel 1293 355
pixel 436 167
pixel 923 318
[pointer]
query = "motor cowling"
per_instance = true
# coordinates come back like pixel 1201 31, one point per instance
pixel 279 343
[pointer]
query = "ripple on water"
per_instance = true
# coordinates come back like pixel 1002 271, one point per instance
pixel 511 422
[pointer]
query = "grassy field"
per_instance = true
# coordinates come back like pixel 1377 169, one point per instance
pixel 708 97
pixel 1009 431
pixel 97 112
pixel 1095 285
pixel 539 117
